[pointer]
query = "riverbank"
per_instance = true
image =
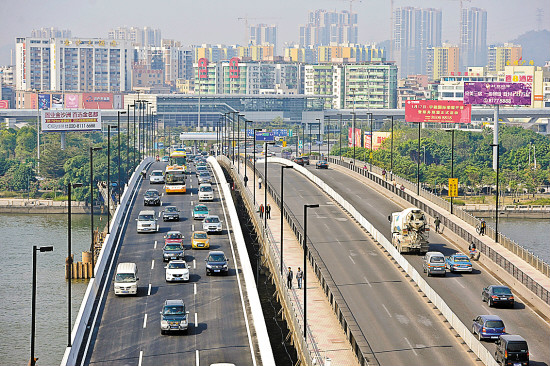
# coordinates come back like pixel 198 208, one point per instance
pixel 509 211
pixel 36 206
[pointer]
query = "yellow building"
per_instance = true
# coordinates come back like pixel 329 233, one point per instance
pixel 532 75
pixel 498 57
pixel 442 61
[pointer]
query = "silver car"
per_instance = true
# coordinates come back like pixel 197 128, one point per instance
pixel 212 224
pixel 156 177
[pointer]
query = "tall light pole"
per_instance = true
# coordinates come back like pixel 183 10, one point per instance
pixel 496 147
pixel 353 132
pixel 371 137
pixel 320 139
pixel 127 175
pixel 391 154
pixel 245 141
pixel 134 131
pixel 340 133
pixel 69 259
pixel 281 208
pixel 238 143
pixel 32 361
pixel 109 127
pixel 418 163
pixel 92 246
pixel 265 180
pixel 305 266
pixel 452 160
pixel 254 157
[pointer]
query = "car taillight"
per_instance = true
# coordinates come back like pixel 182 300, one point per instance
pixel 483 330
pixel 494 297
pixel 427 229
pixel 505 353
pixel 511 298
pixel 504 330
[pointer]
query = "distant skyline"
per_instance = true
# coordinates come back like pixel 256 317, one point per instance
pixel 214 21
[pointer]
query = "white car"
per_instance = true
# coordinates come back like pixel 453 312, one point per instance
pixel 177 271
pixel 156 177
pixel 206 193
pixel 147 221
pixel 212 224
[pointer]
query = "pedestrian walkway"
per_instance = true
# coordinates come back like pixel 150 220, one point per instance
pixel 327 332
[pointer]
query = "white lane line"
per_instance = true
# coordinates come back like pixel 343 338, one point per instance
pixel 152 264
pixel 191 203
pixel 149 290
pixel 145 321
pixel 459 283
pixel 191 194
pixel 196 320
pixel 192 227
pixel 194 263
pixel 351 259
pixel 367 281
pixel 155 244
pixel 197 358
pixel 140 358
pixel 194 289
pixel 410 345
pixel 159 214
pixel 387 311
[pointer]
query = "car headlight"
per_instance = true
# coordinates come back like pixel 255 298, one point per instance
pixel 208 266
pixel 225 266
pixel 163 323
pixel 183 323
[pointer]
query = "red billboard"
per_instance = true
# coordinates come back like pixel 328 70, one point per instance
pixel 234 68
pixel 203 68
pixel 4 104
pixel 357 137
pixel 439 111
pixel 97 100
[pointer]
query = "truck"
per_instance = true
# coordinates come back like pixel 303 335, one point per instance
pixel 410 230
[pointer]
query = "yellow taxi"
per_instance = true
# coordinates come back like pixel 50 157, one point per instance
pixel 200 240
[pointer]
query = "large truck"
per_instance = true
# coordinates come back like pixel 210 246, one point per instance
pixel 410 231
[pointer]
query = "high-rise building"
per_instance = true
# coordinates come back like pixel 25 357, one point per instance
pixel 442 61
pixel 137 36
pixel 174 60
pixel 329 27
pixel 263 35
pixel 7 75
pixel 50 33
pixel 414 30
pixel 227 77
pixel 473 37
pixel 498 57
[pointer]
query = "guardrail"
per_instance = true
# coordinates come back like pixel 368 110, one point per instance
pixel 83 327
pixel 375 174
pixel 475 345
pixel 309 349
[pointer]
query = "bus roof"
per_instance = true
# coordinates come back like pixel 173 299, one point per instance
pixel 175 168
pixel 178 153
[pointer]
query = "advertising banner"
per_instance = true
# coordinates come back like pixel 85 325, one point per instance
pixel 117 101
pixel 280 133
pixel 4 104
pixel 71 101
pixel 57 101
pixel 203 68
pixel 97 100
pixel 70 120
pixel 357 137
pixel 265 136
pixel 377 139
pixel 439 111
pixel 43 101
pixel 453 187
pixel 497 93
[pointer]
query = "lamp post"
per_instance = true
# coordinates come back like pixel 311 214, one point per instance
pixel 305 266
pixel 452 160
pixel 320 139
pixel 254 157
pixel 127 175
pixel 69 260
pixel 32 361
pixel 238 143
pixel 496 148
pixel 265 180
pixel 92 149
pixel 245 155
pixel 371 147
pixel 340 133
pixel 134 132
pixel 353 134
pixel 281 208
pixel 418 163
pixel 297 139
pixel 109 127
pixel 391 153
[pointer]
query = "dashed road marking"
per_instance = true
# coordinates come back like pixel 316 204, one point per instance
pixel 192 227
pixel 351 259
pixel 145 321
pixel 197 358
pixel 459 283
pixel 194 289
pixel 194 263
pixel 387 311
pixel 367 281
pixel 155 244
pixel 159 214
pixel 149 290
pixel 152 264
pixel 140 358
pixel 196 320
pixel 410 345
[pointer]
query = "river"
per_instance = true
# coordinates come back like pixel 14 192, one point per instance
pixel 18 233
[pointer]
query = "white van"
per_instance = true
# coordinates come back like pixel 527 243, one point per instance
pixel 126 279
pixel 206 193
pixel 147 221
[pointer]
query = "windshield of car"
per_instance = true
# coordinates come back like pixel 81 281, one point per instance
pixel 206 189
pixel 437 259
pixel 146 217
pixel 174 310
pixel 171 209
pixel 204 174
pixel 502 291
pixel 151 193
pixel 494 324
pixel 201 208
pixel 200 236
pixel 156 174
pixel 212 220
pixel 172 247
pixel 517 347
pixel 201 166
pixel 216 258
pixel 173 236
pixel 125 277
pixel 461 259
pixel 179 265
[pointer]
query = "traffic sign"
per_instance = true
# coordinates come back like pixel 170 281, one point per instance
pixel 453 187
pixel 265 136
pixel 284 143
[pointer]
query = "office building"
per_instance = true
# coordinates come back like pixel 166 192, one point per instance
pixel 7 77
pixel 349 54
pixel 473 37
pixel 137 36
pixel 498 57
pixel 50 33
pixel 263 35
pixel 329 27
pixel 174 60
pixel 442 61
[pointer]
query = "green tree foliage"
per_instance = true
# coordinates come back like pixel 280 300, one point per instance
pixel 8 140
pixel 26 142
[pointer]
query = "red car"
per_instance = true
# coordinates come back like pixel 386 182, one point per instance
pixel 173 237
pixel 299 161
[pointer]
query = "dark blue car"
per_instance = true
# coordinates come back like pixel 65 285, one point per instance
pixel 488 327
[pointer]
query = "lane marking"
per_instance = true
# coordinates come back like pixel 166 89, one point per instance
pixel 459 283
pixel 410 345
pixel 159 214
pixel 196 320
pixel 191 194
pixel 191 203
pixel 145 321
pixel 351 259
pixel 140 357
pixel 152 264
pixel 197 358
pixel 367 281
pixel 194 263
pixel 387 311
pixel 149 290
pixel 155 244
pixel 192 227
pixel 194 289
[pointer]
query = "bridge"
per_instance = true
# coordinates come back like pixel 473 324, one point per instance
pixel 381 308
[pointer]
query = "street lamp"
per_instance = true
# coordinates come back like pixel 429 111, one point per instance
pixel 353 133
pixel 340 133
pixel 283 167
pixel 305 265
pixel 254 157
pixel 391 154
pixel 452 159
pixel 69 259
pixel 320 139
pixel 49 248
pixel 245 155
pixel 127 175
pixel 418 163
pixel 497 146
pixel 109 127
pixel 238 143
pixel 265 180
pixel 134 131
pixel 92 149
pixel 371 147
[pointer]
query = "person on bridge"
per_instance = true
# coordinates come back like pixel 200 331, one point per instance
pixel 245 180
pixel 260 183
pixel 268 211
pixel 482 227
pixel 437 222
pixel 299 276
pixel 261 210
pixel 289 277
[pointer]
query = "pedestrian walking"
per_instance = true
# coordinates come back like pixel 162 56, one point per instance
pixel 268 211
pixel 437 222
pixel 289 277
pixel 299 276
pixel 245 180
pixel 260 183
pixel 261 210
pixel 482 227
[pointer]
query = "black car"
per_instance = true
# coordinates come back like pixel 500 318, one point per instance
pixel 321 164
pixel 305 158
pixel 512 350
pixel 299 161
pixel 171 213
pixel 216 262
pixel 152 197
pixel 496 294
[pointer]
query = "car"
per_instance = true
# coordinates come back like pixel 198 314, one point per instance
pixel 216 262
pixel 172 251
pixel 298 161
pixel 126 279
pixel 321 164
pixel 200 240
pixel 174 317
pixel 147 221
pixel 204 177
pixel 173 236
pixel 512 349
pixel 206 193
pixel 156 177
pixel 306 159
pixel 177 271
pixel 200 212
pixel 151 197
pixel 165 159
pixel 171 213
pixel 488 326
pixel 200 169
pixel 212 224
pixel 434 263
pixel 458 262
pixel 497 294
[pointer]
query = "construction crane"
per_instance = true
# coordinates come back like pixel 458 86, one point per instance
pixel 351 4
pixel 247 29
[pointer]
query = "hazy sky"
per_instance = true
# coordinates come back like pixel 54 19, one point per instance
pixel 215 21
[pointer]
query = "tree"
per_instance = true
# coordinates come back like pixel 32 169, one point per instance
pixel 25 142
pixel 51 162
pixel 7 143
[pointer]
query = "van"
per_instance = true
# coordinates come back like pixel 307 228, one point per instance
pixel 147 221
pixel 434 264
pixel 126 279
pixel 512 350
pixel 206 193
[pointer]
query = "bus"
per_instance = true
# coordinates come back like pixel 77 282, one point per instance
pixel 179 157
pixel 174 179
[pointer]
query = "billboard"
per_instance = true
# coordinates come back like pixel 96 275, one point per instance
pixel 439 111
pixel 377 139
pixel 70 120
pixel 265 136
pixel 97 100
pixel 43 101
pixel 4 104
pixel 497 93
pixel 117 101
pixel 71 101
pixel 234 68
pixel 203 68
pixel 357 137
pixel 57 101
pixel 280 133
